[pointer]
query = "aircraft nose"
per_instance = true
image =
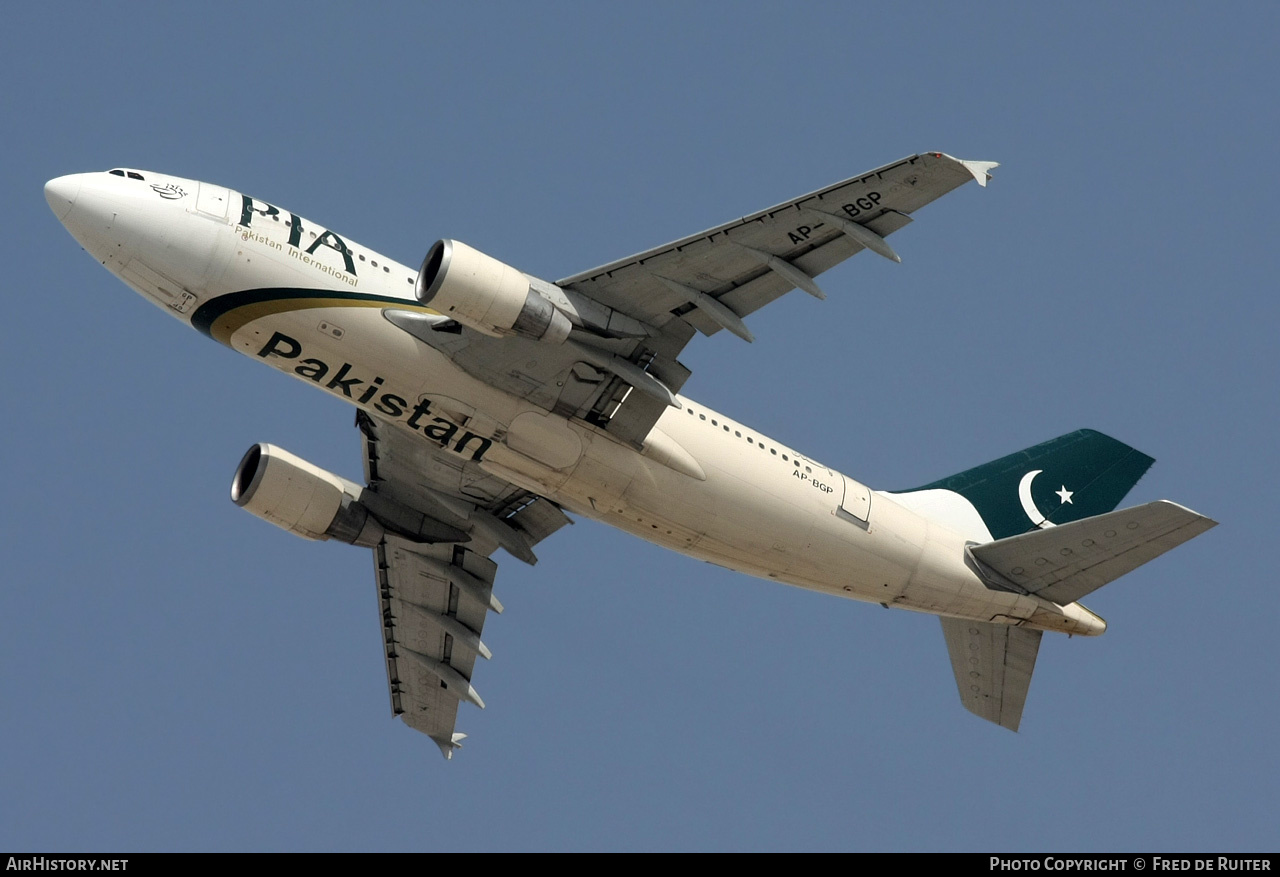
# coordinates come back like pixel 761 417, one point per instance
pixel 61 193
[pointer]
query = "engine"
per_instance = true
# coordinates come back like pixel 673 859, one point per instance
pixel 302 498
pixel 486 295
pixel 313 503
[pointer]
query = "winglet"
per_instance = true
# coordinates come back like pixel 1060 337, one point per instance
pixel 981 170
pixel 447 746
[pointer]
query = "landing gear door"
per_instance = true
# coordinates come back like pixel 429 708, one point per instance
pixel 856 505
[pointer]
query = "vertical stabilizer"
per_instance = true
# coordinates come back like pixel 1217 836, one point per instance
pixel 1077 475
pixel 993 664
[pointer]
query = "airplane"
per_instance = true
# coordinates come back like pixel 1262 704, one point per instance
pixel 490 402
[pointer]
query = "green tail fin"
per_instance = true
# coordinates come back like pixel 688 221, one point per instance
pixel 1077 475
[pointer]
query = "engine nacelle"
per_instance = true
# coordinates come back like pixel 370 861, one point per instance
pixel 487 295
pixel 302 498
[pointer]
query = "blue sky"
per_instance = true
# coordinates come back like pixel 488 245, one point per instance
pixel 176 674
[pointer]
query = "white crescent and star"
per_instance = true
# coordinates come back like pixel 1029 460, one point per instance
pixel 1029 504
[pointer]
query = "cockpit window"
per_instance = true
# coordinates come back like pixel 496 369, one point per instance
pixel 117 172
pixel 120 172
pixel 134 176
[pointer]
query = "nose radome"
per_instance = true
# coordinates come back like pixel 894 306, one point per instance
pixel 61 193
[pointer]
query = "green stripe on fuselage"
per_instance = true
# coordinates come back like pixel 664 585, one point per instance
pixel 222 317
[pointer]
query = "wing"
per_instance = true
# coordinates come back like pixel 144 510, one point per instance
pixel 641 311
pixel 433 599
pixel 993 664
pixel 743 265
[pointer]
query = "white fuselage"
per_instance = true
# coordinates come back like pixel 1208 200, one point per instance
pixel 705 485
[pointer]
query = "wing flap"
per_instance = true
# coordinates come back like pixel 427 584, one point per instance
pixel 538 519
pixel 1067 562
pixel 993 664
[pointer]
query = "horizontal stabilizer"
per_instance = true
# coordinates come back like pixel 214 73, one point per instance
pixel 1065 563
pixel 993 664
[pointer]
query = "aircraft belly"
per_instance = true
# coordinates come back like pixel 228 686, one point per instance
pixel 356 355
pixel 324 339
pixel 755 512
pixel 941 583
pixel 756 519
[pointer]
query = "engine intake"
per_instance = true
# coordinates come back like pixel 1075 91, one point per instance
pixel 313 503
pixel 487 295
pixel 302 498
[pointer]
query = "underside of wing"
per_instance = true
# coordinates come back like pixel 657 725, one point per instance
pixel 745 264
pixel 590 377
pixel 993 664
pixel 434 598
pixel 431 631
